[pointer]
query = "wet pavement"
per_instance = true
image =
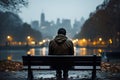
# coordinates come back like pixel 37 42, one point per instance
pixel 50 75
pixel 10 70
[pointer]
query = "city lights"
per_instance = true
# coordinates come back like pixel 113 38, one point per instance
pixel 9 38
pixel 28 37
pixel 83 42
pixel 100 39
pixel 110 41
pixel 9 58
pixel 83 39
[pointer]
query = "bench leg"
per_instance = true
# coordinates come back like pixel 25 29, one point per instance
pixel 94 68
pixel 30 75
pixel 93 74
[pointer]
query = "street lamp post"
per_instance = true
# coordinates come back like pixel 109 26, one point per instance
pixel 28 40
pixel 9 40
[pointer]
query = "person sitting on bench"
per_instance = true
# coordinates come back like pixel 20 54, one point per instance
pixel 61 45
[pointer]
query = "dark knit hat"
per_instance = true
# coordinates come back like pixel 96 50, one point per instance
pixel 62 31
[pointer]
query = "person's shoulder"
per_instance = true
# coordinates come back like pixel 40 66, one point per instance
pixel 52 41
pixel 69 41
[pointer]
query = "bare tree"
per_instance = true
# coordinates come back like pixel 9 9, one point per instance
pixel 12 5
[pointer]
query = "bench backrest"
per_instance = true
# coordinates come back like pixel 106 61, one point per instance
pixel 61 60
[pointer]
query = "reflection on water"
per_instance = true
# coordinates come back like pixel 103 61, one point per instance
pixel 77 51
pixel 31 52
pixel 12 54
pixel 83 51
pixel 38 51
pixel 17 54
pixel 43 51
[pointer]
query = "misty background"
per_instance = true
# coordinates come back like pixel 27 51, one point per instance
pixel 48 16
pixel 41 19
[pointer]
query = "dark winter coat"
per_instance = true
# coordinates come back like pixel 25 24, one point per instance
pixel 61 45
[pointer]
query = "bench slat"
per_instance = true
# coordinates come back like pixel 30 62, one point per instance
pixel 63 58
pixel 60 60
pixel 85 63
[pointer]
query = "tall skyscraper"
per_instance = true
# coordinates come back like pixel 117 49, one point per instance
pixel 42 22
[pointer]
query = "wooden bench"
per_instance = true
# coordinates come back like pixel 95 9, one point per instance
pixel 91 63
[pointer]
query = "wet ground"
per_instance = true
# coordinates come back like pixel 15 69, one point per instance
pixel 48 75
pixel 10 70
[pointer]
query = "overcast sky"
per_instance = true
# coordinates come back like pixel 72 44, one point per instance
pixel 53 9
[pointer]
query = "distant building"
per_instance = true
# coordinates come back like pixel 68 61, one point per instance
pixel 66 23
pixel 76 26
pixel 58 21
pixel 82 20
pixel 42 20
pixel 45 26
pixel 35 25
pixel 49 29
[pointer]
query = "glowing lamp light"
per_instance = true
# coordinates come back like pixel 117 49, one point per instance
pixel 44 41
pixel 100 39
pixel 110 41
pixel 33 42
pixel 100 50
pixel 40 43
pixel 28 37
pixel 94 43
pixel 9 38
pixel 9 58
pixel 84 40
pixel 28 53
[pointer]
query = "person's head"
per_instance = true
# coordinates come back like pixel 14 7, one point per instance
pixel 62 31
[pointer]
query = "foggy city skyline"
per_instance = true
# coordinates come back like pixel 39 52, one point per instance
pixel 63 9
